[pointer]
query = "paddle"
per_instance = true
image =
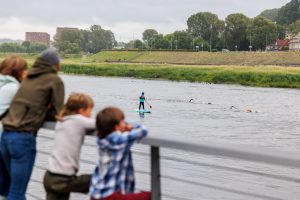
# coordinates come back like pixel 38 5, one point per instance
pixel 148 103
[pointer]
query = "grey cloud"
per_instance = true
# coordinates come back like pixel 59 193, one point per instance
pixel 113 11
pixel 124 17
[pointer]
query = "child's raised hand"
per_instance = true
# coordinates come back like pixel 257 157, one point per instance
pixel 128 127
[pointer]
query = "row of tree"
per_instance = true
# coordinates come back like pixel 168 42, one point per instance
pixel 207 32
pixel 25 47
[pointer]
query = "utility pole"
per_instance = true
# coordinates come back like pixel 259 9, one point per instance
pixel 266 42
pixel 210 37
pixel 250 46
pixel 193 44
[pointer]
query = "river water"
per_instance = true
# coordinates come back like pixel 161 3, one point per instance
pixel 219 113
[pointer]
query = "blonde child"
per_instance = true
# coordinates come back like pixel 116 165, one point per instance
pixel 113 177
pixel 74 122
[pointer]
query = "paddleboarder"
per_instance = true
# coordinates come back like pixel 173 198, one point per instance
pixel 142 101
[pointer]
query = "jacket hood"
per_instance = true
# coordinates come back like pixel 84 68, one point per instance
pixel 40 67
pixel 5 79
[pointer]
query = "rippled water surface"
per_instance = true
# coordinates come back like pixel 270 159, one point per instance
pixel 218 113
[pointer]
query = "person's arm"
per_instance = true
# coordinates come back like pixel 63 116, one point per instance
pixel 89 125
pixel 10 93
pixel 56 101
pixel 127 138
pixel 58 96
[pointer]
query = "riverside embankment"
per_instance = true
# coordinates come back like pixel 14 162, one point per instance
pixel 264 69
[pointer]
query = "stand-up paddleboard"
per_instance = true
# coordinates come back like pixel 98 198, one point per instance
pixel 143 111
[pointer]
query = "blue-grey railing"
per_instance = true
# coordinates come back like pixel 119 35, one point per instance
pixel 243 152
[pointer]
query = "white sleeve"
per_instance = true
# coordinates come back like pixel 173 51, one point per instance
pixel 10 93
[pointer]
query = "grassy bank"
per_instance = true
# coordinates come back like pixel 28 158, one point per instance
pixel 199 58
pixel 267 76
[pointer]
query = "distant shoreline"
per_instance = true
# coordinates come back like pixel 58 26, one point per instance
pixel 259 76
pixel 183 66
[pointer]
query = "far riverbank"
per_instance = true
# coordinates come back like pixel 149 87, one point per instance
pixel 261 76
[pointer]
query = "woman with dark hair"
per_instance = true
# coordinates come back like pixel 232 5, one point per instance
pixel 12 72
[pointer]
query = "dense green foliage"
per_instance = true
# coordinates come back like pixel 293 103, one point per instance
pixel 207 26
pixel 263 32
pixel 25 47
pixel 236 31
pixel 92 41
pixel 289 13
pixel 270 14
pixel 148 34
pixel 286 15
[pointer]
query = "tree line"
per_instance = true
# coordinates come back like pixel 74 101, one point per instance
pixel 25 47
pixel 205 32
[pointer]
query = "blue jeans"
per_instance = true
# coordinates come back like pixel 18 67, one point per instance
pixel 18 151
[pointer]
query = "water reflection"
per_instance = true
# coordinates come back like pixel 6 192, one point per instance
pixel 142 115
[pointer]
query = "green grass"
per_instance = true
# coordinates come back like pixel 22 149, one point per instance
pixel 284 77
pixel 115 56
pixel 199 58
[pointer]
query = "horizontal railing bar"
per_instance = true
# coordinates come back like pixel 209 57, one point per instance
pixel 232 169
pixel 243 152
pixel 278 177
pixel 174 197
pixel 224 189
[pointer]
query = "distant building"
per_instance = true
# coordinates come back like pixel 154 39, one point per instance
pixel 288 35
pixel 59 31
pixel 295 43
pixel 282 44
pixel 38 37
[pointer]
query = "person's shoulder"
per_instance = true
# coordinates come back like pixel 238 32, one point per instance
pixel 80 119
pixel 12 86
pixel 55 77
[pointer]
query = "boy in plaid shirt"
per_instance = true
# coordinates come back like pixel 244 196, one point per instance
pixel 113 178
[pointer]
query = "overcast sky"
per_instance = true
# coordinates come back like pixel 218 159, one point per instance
pixel 126 18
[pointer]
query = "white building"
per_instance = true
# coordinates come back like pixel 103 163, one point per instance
pixel 295 43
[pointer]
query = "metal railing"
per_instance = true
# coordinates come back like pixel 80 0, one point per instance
pixel 244 152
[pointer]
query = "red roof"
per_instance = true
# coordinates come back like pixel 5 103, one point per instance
pixel 282 43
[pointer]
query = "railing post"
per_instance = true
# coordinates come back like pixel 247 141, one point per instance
pixel 155 174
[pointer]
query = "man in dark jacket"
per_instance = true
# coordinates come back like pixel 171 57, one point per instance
pixel 41 94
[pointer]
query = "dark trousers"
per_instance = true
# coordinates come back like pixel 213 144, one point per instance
pixel 4 178
pixel 18 152
pixel 134 196
pixel 59 187
pixel 142 104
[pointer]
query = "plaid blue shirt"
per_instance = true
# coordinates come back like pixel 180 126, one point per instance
pixel 114 172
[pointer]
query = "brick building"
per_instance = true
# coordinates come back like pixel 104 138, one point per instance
pixel 38 37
